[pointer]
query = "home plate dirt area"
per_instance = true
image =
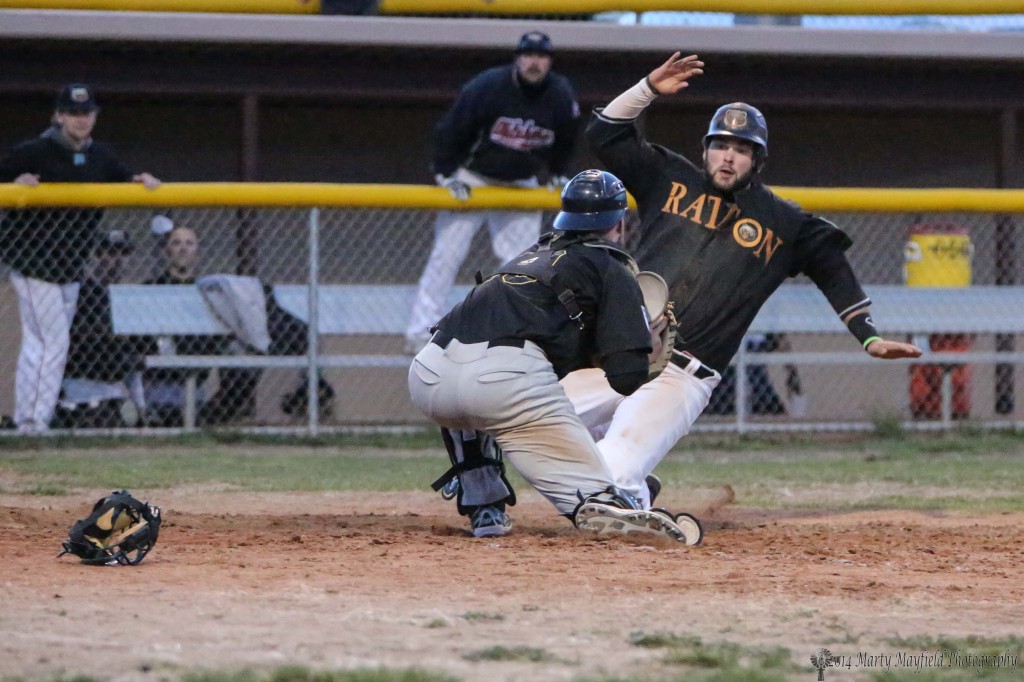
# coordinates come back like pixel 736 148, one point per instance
pixel 355 580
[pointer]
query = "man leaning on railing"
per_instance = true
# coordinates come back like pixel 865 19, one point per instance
pixel 47 248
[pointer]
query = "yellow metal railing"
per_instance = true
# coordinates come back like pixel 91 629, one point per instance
pixel 739 6
pixel 428 197
pixel 545 7
pixel 213 6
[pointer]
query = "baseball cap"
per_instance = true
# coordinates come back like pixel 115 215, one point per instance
pixel 77 97
pixel 534 41
pixel 115 240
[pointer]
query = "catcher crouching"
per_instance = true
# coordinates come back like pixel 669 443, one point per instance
pixel 490 374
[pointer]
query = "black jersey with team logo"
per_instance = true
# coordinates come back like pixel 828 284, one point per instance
pixel 512 305
pixel 53 244
pixel 508 130
pixel 722 255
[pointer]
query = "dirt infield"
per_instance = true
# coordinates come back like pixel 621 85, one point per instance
pixel 347 580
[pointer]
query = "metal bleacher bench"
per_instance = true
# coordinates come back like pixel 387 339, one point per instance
pixel 383 310
pixel 343 310
pixel 896 309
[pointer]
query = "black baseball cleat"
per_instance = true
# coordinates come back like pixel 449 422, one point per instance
pixel 654 485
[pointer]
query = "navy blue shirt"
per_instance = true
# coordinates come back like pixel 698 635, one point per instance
pixel 508 130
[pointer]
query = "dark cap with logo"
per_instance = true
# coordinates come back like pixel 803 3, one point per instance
pixel 77 97
pixel 534 41
pixel 114 241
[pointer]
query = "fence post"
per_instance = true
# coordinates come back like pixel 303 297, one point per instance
pixel 946 392
pixel 313 382
pixel 741 387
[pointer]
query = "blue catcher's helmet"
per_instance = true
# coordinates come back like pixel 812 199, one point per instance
pixel 593 201
pixel 742 121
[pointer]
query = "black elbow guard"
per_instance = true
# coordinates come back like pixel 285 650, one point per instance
pixel 626 371
pixel 626 384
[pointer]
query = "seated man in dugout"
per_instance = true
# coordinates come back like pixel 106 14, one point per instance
pixel 235 397
pixel 102 380
pixel 165 387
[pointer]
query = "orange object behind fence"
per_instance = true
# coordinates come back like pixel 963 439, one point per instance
pixel 939 255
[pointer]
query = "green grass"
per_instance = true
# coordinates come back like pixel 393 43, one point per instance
pixel 265 469
pixel 981 473
pixel 943 675
pixel 731 675
pixel 405 439
pixel 662 640
pixel 59 678
pixel 480 616
pixel 515 654
pixel 718 661
pixel 961 471
pixel 301 674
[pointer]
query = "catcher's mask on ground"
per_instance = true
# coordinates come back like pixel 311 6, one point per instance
pixel 120 530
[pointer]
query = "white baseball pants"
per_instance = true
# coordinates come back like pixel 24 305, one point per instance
pixel 512 232
pixel 513 394
pixel 640 429
pixel 46 311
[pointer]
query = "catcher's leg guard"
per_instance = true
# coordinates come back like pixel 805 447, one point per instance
pixel 477 475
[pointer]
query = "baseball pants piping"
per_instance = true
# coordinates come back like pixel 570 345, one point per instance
pixel 46 310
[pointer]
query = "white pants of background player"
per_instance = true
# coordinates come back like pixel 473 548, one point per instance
pixel 512 232
pixel 513 394
pixel 640 429
pixel 46 311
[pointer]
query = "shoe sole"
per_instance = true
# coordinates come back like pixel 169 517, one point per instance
pixel 606 520
pixel 492 531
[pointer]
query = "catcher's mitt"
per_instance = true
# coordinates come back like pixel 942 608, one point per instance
pixel 120 530
pixel 663 340
pixel 655 292
pixel 663 320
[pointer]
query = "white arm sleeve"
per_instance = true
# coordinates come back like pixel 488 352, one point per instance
pixel 631 103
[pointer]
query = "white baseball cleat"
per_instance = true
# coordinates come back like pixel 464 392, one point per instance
pixel 607 519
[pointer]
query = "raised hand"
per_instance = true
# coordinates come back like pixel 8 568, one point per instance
pixel 674 74
pixel 891 350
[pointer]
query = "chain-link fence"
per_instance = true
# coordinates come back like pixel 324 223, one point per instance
pixel 235 350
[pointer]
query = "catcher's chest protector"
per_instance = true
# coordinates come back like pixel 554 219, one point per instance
pixel 120 530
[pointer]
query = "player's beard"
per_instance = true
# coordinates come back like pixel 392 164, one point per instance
pixel 738 182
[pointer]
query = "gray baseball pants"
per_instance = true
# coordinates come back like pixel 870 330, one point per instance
pixel 513 394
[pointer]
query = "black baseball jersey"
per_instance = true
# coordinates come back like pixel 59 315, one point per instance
pixel 722 254
pixel 512 305
pixel 54 244
pixel 95 352
pixel 508 130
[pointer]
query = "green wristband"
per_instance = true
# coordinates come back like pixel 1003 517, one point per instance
pixel 868 341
